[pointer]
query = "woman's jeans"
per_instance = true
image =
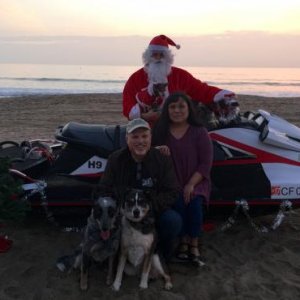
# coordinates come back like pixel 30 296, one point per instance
pixel 192 216
pixel 169 225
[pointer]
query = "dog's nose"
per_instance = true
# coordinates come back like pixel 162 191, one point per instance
pixel 136 213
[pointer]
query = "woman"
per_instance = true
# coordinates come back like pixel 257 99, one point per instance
pixel 179 134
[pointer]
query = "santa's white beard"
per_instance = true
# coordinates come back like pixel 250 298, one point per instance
pixel 158 71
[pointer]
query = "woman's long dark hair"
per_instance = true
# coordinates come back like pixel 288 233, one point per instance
pixel 161 128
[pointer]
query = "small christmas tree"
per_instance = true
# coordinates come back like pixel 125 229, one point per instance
pixel 11 207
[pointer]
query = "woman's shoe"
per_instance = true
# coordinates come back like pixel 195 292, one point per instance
pixel 195 258
pixel 183 252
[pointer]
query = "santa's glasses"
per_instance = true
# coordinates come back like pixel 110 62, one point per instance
pixel 157 54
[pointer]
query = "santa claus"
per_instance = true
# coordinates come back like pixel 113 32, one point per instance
pixel 146 89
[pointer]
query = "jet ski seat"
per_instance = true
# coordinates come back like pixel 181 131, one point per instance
pixel 102 137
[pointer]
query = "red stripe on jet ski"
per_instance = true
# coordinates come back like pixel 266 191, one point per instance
pixel 89 175
pixel 261 155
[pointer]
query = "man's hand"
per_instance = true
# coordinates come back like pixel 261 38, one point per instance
pixel 163 149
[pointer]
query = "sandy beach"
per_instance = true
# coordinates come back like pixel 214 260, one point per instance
pixel 38 116
pixel 241 263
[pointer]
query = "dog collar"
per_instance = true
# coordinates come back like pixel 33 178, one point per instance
pixel 145 226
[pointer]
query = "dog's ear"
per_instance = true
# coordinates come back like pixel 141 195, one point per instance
pixel 149 194
pixel 127 191
pixel 120 195
pixel 123 200
pixel 97 192
pixel 101 191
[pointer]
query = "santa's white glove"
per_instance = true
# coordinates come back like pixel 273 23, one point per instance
pixel 227 107
pixel 226 97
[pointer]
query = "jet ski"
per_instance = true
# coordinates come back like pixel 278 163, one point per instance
pixel 256 161
pixel 257 158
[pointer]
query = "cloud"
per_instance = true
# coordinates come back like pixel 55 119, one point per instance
pixel 244 49
pixel 232 49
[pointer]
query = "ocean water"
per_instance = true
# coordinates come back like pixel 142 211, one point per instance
pixel 26 79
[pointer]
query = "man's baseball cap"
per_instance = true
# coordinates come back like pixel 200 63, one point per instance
pixel 135 124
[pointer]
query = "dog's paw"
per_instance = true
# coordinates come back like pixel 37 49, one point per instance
pixel 143 285
pixel 83 286
pixel 109 280
pixel 168 286
pixel 116 286
pixel 83 283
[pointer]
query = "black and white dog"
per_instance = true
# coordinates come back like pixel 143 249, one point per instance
pixel 138 241
pixel 100 241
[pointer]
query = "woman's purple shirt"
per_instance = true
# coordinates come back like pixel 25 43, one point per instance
pixel 192 152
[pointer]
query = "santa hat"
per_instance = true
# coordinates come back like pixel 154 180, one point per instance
pixel 161 43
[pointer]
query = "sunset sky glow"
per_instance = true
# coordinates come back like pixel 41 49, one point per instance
pixel 146 17
pixel 216 19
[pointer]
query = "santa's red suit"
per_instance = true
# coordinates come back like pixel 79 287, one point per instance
pixel 178 80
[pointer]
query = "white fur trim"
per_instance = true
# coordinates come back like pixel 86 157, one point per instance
pixel 135 112
pixel 222 95
pixel 157 48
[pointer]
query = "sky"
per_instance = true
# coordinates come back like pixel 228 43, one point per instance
pixel 214 32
